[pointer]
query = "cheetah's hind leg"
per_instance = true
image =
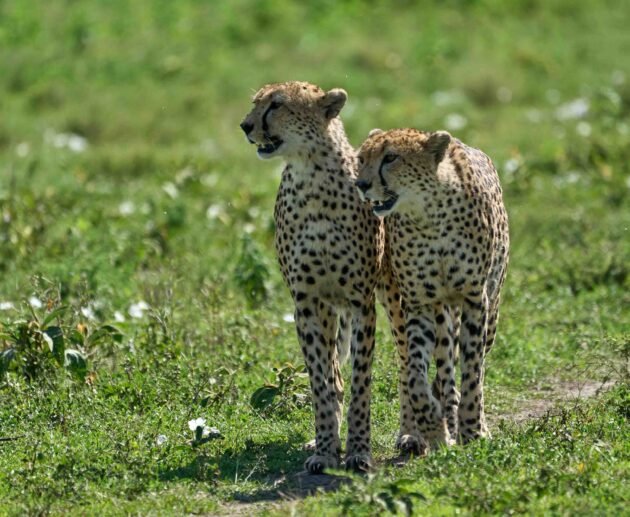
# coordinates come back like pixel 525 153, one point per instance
pixel 444 386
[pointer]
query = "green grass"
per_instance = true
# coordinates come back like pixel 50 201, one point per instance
pixel 167 204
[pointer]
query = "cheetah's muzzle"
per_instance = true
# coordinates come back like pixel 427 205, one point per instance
pixel 271 147
pixel 382 208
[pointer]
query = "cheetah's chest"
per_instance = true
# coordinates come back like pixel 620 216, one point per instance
pixel 432 264
pixel 328 252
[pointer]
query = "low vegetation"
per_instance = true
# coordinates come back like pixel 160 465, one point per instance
pixel 149 361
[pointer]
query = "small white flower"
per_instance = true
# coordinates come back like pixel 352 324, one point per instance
pixel 534 115
pixel 288 317
pixel 170 189
pixel 209 180
pixel 35 302
pixel 445 98
pixel 76 143
pixel 512 165
pixel 214 211
pixel 126 208
pixel 70 141
pixel 137 310
pixel 570 178
pixel 88 312
pixel 249 228
pixel 22 149
pixel 197 422
pixel 6 306
pixel 577 108
pixel 583 129
pixel 161 439
pixel 118 316
pixel 455 121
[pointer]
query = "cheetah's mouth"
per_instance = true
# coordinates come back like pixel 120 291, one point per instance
pixel 383 208
pixel 270 148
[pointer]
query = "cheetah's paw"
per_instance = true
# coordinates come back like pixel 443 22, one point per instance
pixel 409 444
pixel 359 463
pixel 316 463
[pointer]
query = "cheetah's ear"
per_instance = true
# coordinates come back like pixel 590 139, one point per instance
pixel 374 132
pixel 437 144
pixel 333 101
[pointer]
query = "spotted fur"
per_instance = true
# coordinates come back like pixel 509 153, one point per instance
pixel 330 247
pixel 447 233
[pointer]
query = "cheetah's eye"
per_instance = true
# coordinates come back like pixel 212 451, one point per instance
pixel 389 158
pixel 274 105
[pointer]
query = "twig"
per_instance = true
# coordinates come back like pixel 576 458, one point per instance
pixel 11 438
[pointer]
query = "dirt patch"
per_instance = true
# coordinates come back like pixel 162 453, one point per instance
pixel 285 489
pixel 552 395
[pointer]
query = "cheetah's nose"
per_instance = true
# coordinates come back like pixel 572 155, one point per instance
pixel 363 185
pixel 247 127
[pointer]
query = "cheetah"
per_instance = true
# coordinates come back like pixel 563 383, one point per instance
pixel 329 246
pixel 447 232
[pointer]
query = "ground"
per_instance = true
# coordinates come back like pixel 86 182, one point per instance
pixel 124 178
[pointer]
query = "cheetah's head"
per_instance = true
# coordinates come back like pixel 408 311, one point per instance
pixel 396 166
pixel 287 117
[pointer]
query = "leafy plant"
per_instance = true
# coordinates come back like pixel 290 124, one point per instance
pixel 289 391
pixel 395 496
pixel 251 273
pixel 35 346
pixel 219 388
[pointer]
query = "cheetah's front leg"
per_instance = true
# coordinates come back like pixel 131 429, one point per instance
pixel 427 409
pixel 316 333
pixel 339 356
pixel 358 455
pixel 473 337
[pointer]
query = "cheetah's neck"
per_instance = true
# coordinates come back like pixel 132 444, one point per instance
pixel 327 159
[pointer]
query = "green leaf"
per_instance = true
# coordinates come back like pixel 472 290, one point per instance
pixel 76 337
pixel 116 334
pixel 76 363
pixel 105 331
pixel 263 397
pixel 54 314
pixel 55 335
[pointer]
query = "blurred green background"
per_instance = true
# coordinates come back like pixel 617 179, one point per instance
pixel 129 195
